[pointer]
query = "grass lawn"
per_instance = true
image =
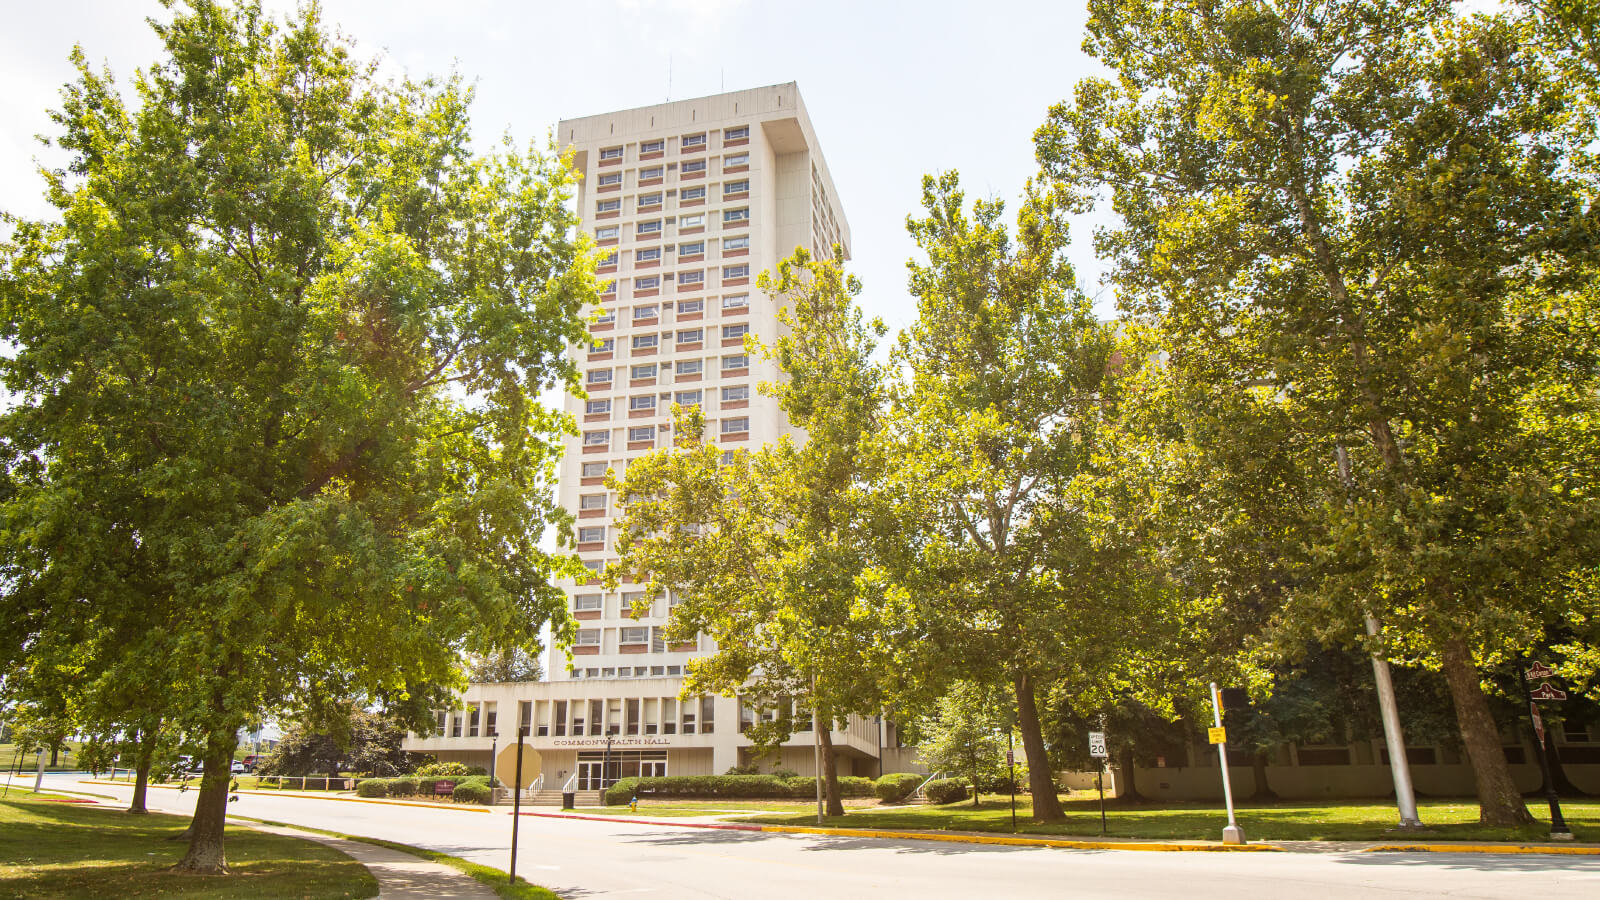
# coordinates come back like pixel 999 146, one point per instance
pixel 51 849
pixel 65 761
pixel 1290 820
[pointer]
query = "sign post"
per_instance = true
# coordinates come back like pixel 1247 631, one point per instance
pixel 1097 749
pixel 1539 671
pixel 1011 763
pixel 516 802
pixel 1231 833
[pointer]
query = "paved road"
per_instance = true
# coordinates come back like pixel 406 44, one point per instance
pixel 584 860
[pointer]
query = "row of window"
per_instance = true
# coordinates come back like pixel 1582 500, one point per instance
pixel 686 143
pixel 685 336
pixel 682 398
pixel 647 433
pixel 688 248
pixel 627 672
pixel 645 311
pixel 596 602
pixel 653 227
pixel 690 167
pixel 617 715
pixel 651 202
pixel 682 367
pixel 652 282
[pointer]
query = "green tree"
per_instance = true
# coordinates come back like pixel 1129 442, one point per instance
pixel 966 734
pixel 1354 221
pixel 1004 574
pixel 276 367
pixel 767 553
pixel 514 664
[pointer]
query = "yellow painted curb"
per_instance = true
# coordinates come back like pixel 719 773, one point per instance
pixel 304 796
pixel 1149 846
pixel 1484 848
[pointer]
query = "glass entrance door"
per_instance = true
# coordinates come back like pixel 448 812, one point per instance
pixel 589 775
pixel 653 769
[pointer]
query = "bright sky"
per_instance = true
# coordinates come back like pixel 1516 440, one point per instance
pixel 894 89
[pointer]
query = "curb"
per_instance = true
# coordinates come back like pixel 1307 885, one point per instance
pixel 1550 849
pixel 949 837
pixel 304 796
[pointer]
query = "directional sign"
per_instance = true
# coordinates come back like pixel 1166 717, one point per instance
pixel 1217 735
pixel 1011 758
pixel 1539 671
pixel 1538 723
pixel 1546 692
pixel 1097 744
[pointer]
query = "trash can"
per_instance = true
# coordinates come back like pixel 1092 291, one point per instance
pixel 569 799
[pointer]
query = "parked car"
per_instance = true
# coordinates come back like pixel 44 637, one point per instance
pixel 238 768
pixel 250 762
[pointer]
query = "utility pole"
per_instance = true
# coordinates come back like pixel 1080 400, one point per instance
pixel 516 802
pixel 1399 766
pixel 816 742
pixel 1393 737
pixel 1232 833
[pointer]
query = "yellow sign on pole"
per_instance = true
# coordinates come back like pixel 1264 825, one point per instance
pixel 1217 735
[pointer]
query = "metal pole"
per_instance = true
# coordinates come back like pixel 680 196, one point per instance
pixel 1011 763
pixel 1399 766
pixel 816 742
pixel 1558 824
pixel 1100 782
pixel 516 803
pixel 38 779
pixel 1232 833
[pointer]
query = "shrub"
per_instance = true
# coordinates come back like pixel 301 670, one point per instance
pixel 896 786
pixel 751 769
pixel 946 790
pixel 373 787
pixel 1001 783
pixel 472 791
pixel 743 787
pixel 404 786
pixel 785 773
pixel 450 770
pixel 803 788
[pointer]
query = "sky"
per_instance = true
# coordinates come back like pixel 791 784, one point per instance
pixel 895 90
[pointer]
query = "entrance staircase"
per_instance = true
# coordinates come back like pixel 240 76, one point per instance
pixel 553 798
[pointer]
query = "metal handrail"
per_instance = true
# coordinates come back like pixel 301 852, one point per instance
pixel 918 793
pixel 535 787
pixel 572 783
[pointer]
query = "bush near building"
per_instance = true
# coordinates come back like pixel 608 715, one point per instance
pixel 477 787
pixel 732 787
pixel 946 790
pixel 896 786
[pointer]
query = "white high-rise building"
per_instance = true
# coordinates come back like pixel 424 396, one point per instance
pixel 690 200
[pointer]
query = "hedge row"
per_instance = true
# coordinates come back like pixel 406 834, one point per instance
pixel 896 786
pixel 946 790
pixel 740 787
pixel 468 789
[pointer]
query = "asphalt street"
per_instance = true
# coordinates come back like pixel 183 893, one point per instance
pixel 585 859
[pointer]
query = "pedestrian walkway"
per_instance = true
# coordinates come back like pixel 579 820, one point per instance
pixel 401 876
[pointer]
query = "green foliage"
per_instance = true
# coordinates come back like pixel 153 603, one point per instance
pixel 741 787
pixel 514 664
pixel 946 790
pixel 275 371
pixel 967 734
pixel 472 791
pixel 373 787
pixel 767 553
pixel 1359 238
pixel 451 769
pixel 404 786
pixel 896 786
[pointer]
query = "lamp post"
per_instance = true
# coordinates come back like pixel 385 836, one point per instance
pixel 516 802
pixel 605 764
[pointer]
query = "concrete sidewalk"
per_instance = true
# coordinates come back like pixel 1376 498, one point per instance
pixel 401 876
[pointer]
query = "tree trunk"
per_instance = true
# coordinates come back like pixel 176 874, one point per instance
pixel 1041 777
pixel 141 780
pixel 830 769
pixel 1125 771
pixel 55 755
pixel 205 856
pixel 1499 801
pixel 1258 768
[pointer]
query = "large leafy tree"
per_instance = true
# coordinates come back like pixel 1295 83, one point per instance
pixel 1357 222
pixel 1005 573
pixel 274 375
pixel 767 553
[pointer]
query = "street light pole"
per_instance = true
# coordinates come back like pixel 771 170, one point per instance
pixel 1232 833
pixel 1393 737
pixel 516 802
